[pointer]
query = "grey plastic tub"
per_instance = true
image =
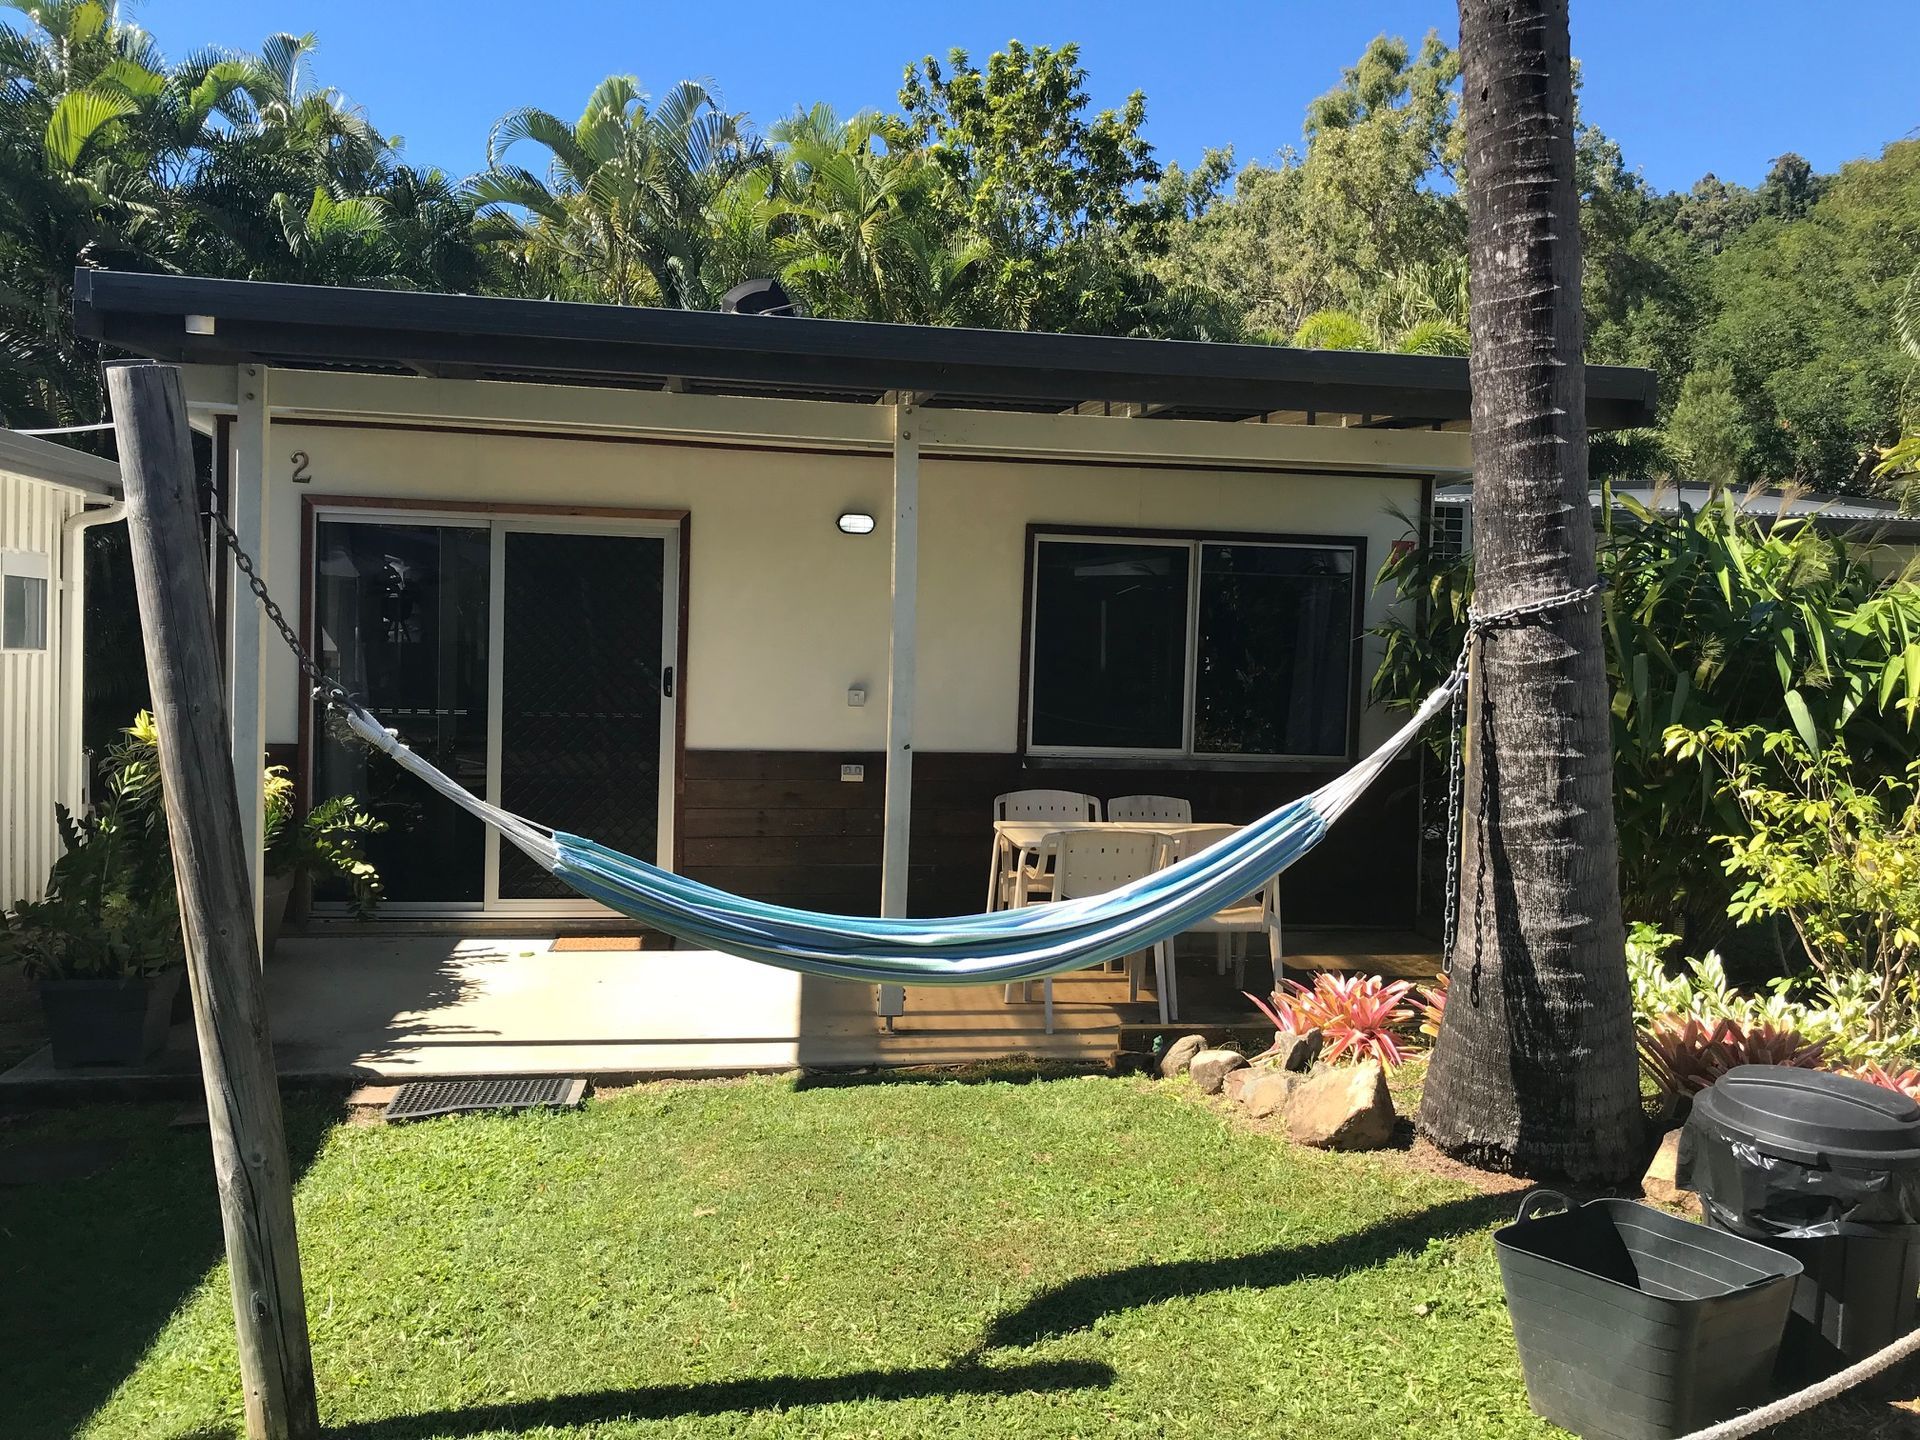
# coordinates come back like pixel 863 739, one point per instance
pixel 1633 1324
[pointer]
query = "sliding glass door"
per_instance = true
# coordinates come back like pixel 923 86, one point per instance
pixel 530 660
pixel 581 679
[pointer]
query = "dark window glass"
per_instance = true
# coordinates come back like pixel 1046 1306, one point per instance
pixel 400 615
pixel 1110 645
pixel 1275 667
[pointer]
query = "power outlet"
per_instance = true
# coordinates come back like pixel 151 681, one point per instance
pixel 855 774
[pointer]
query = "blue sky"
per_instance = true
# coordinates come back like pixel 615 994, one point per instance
pixel 1685 86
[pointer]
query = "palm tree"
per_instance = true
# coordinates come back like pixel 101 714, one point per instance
pixel 1421 310
pixel 285 139
pixel 625 210
pixel 79 185
pixel 1534 1070
pixel 860 232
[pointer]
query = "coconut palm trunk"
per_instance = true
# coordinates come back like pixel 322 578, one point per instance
pixel 1535 1069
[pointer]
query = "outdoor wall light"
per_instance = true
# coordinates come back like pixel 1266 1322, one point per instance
pixel 854 523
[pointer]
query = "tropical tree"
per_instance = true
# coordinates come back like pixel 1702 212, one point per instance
pixel 1534 1070
pixel 861 235
pixel 626 210
pixel 1368 205
pixel 77 187
pixel 1062 207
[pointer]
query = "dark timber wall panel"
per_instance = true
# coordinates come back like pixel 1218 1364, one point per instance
pixel 781 825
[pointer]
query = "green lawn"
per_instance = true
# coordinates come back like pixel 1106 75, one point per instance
pixel 1075 1257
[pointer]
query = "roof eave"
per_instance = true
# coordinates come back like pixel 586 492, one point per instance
pixel 487 337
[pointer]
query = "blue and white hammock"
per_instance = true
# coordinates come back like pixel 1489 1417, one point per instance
pixel 1019 944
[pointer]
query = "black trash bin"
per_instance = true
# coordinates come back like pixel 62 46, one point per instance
pixel 1827 1169
pixel 1633 1324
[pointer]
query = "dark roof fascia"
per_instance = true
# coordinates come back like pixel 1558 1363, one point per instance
pixel 322 326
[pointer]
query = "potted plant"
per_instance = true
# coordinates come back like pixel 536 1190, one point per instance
pixel 329 841
pixel 103 945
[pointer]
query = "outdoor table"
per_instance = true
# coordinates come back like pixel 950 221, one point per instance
pixel 1017 837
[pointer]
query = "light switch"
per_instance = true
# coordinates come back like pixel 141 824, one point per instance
pixel 856 695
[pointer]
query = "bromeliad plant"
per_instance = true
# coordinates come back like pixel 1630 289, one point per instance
pixel 1359 1017
pixel 1684 1054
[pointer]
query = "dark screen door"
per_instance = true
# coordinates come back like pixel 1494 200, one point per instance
pixel 400 618
pixel 581 683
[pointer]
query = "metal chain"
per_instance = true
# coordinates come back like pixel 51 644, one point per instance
pixel 1456 776
pixel 325 687
pixel 1477 623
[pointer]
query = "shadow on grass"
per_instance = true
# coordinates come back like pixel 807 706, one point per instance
pixel 92 1267
pixel 719 1397
pixel 1080 1304
pixel 1012 1071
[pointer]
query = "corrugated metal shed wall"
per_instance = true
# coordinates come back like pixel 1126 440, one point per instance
pixel 32 752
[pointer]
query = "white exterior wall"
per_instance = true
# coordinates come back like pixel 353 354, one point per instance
pixel 33 747
pixel 785 612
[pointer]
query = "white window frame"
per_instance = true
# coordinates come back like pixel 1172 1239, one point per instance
pixel 28 565
pixel 1195 546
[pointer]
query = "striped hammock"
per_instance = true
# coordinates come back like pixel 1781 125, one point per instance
pixel 1027 943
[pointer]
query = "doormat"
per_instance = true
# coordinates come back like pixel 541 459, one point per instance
pixel 652 940
pixel 418 1099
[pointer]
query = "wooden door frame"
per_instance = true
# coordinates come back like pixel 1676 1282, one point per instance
pixel 310 505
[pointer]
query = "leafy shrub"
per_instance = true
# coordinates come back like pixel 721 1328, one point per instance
pixel 1710 616
pixel 1837 1013
pixel 108 907
pixel 329 840
pixel 1358 1016
pixel 1834 851
pixel 1683 1054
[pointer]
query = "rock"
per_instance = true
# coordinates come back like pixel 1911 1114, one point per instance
pixel 1268 1091
pixel 1210 1069
pixel 1293 1051
pixel 1180 1055
pixel 1234 1087
pixel 1658 1184
pixel 1342 1107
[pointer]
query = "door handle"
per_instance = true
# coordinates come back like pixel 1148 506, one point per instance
pixel 666 682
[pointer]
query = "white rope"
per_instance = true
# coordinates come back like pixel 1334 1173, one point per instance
pixel 1801 1401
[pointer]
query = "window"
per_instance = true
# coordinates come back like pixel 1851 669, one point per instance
pixel 1196 647
pixel 1452 519
pixel 23 600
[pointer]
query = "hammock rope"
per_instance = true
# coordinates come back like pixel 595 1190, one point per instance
pixel 1024 943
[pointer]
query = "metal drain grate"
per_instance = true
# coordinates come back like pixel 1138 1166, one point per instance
pixel 418 1099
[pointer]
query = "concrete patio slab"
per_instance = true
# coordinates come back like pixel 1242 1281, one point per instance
pixel 382 1008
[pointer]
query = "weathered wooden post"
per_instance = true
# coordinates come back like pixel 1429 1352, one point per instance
pixel 216 907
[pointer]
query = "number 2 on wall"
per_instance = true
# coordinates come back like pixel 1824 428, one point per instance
pixel 301 474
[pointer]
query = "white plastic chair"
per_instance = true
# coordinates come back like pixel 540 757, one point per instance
pixel 1259 911
pixel 1016 871
pixel 1161 809
pixel 1087 862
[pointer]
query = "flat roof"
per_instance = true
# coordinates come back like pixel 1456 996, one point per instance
pixel 485 337
pixel 50 463
pixel 1765 503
